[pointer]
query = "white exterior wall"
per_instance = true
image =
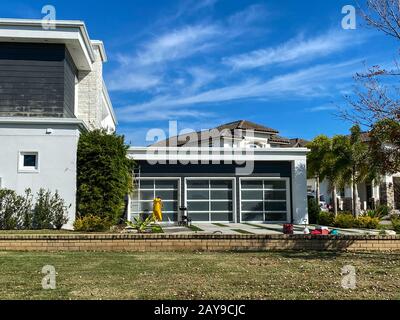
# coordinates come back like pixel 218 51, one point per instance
pixel 299 191
pixel 57 160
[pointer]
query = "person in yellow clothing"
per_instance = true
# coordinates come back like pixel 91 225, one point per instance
pixel 157 209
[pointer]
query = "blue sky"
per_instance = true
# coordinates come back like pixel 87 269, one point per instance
pixel 284 64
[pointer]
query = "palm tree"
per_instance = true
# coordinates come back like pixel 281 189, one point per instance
pixel 333 169
pixel 352 163
pixel 319 147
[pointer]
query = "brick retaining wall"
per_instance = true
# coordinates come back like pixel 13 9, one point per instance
pixel 165 242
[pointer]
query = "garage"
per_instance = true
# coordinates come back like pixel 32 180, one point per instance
pixel 148 189
pixel 210 200
pixel 265 200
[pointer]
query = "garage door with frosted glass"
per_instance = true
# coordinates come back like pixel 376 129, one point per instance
pixel 147 190
pixel 210 200
pixel 264 200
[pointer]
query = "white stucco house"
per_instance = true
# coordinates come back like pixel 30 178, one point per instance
pixel 51 90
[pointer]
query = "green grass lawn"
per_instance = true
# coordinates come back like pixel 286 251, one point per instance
pixel 264 275
pixel 220 225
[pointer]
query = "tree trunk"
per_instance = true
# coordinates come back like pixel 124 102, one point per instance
pixel 355 197
pixel 334 199
pixel 317 191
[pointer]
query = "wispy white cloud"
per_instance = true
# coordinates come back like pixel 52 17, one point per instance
pixel 251 14
pixel 295 50
pixel 132 81
pixel 306 83
pixel 146 68
pixel 162 113
pixel 324 107
pixel 151 61
pixel 200 76
pixel 177 44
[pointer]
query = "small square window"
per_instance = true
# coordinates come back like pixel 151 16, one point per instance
pixel 28 162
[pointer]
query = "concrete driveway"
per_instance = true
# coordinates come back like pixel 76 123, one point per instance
pixel 255 228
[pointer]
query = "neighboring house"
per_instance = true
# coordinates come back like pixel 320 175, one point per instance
pixel 370 195
pixel 237 172
pixel 51 89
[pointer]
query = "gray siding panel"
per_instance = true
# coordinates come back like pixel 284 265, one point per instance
pixel 36 80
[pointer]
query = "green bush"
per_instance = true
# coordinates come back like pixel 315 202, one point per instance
pixel 15 210
pixel 26 211
pixel 396 223
pixel 344 220
pixel 10 203
pixel 326 218
pixel 18 212
pixel 382 211
pixel 59 211
pixel 366 222
pixel 49 211
pixel 42 217
pixel 104 175
pixel 313 210
pixel 91 223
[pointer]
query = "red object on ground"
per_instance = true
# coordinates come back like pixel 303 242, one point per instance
pixel 316 231
pixel 288 228
pixel 321 232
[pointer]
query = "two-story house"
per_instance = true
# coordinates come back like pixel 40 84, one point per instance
pixel 237 172
pixel 51 90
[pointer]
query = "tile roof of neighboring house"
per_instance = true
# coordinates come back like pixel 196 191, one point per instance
pixel 246 125
pixel 278 139
pixel 298 143
pixel 226 129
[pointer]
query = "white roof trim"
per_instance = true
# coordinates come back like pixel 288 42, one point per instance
pixel 43 121
pixel 100 45
pixel 109 103
pixel 216 153
pixel 26 30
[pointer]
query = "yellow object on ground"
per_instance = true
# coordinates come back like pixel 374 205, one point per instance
pixel 157 209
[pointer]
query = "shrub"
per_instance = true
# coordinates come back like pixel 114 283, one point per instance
pixel 49 211
pixel 59 211
pixel 326 218
pixel 104 175
pixel 382 211
pixel 396 223
pixel 9 205
pixel 141 224
pixel 366 222
pixel 344 220
pixel 313 210
pixel 41 211
pixel 91 223
pixel 26 213
pixel 15 210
